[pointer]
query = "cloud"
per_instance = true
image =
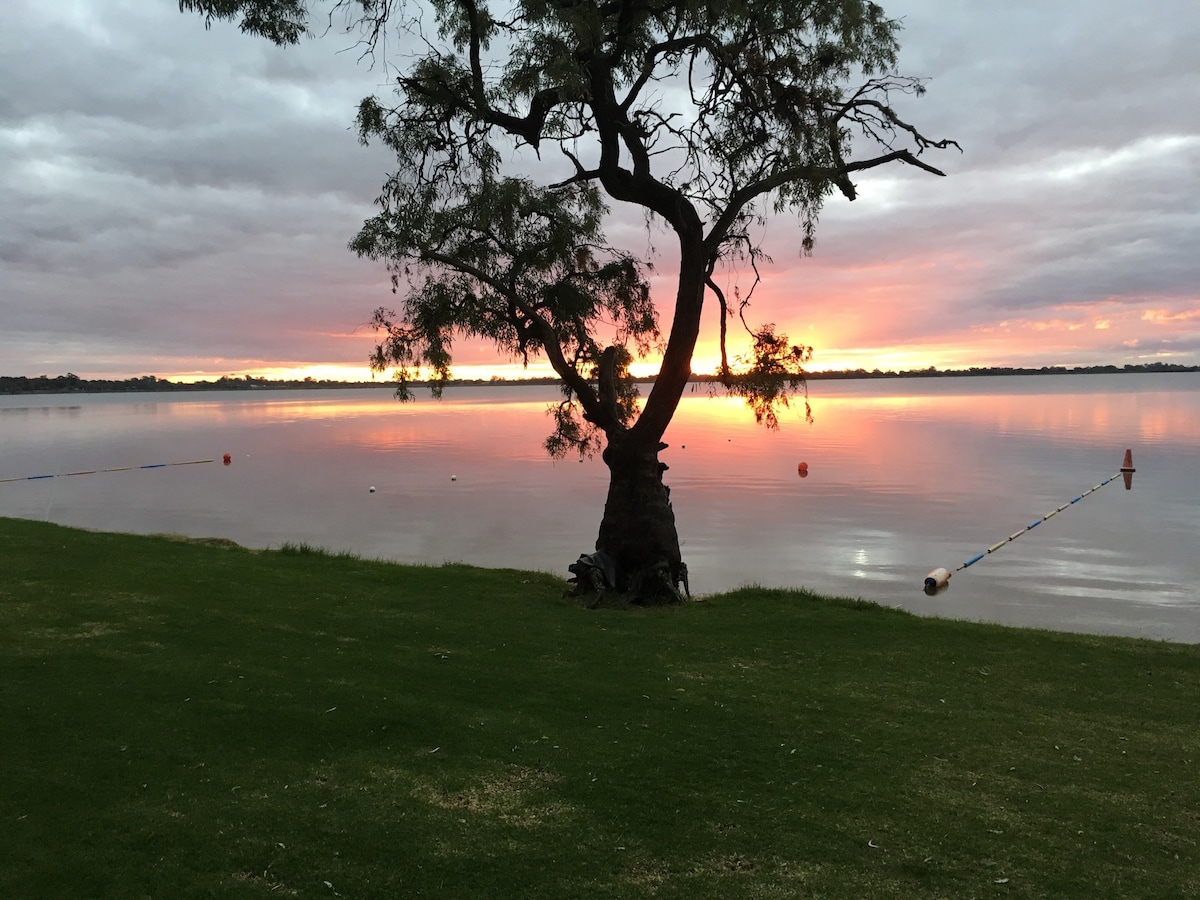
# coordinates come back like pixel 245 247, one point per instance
pixel 170 191
pixel 173 199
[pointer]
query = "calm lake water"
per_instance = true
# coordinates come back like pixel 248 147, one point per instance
pixel 904 475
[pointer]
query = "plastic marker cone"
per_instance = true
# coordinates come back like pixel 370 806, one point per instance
pixel 1127 470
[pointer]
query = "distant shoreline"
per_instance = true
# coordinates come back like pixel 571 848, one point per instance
pixel 73 384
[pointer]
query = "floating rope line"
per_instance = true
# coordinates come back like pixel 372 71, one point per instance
pixel 190 462
pixel 939 579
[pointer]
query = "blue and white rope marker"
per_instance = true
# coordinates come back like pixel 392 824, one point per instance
pixel 190 462
pixel 939 579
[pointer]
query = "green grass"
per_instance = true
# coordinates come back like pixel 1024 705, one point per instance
pixel 181 719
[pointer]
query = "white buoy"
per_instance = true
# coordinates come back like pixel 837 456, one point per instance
pixel 936 581
pixel 454 478
pixel 372 489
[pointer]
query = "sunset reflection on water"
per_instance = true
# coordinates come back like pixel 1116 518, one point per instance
pixel 903 476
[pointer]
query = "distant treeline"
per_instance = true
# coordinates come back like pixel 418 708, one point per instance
pixel 73 384
pixel 933 372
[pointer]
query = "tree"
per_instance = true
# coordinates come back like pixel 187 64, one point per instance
pixel 705 116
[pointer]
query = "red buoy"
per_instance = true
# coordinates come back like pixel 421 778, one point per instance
pixel 802 469
pixel 227 459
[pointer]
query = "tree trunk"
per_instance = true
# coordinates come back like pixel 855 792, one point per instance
pixel 637 549
pixel 638 530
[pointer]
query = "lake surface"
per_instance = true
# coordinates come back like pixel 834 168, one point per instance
pixel 904 475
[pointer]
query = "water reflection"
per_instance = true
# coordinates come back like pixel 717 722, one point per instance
pixel 902 477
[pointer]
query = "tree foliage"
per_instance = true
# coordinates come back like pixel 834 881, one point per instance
pixel 708 116
pixel 522 133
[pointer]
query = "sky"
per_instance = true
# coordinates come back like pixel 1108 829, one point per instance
pixel 177 202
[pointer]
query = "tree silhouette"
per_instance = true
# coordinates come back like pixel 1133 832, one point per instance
pixel 519 134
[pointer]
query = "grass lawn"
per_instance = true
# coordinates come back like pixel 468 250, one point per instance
pixel 180 719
